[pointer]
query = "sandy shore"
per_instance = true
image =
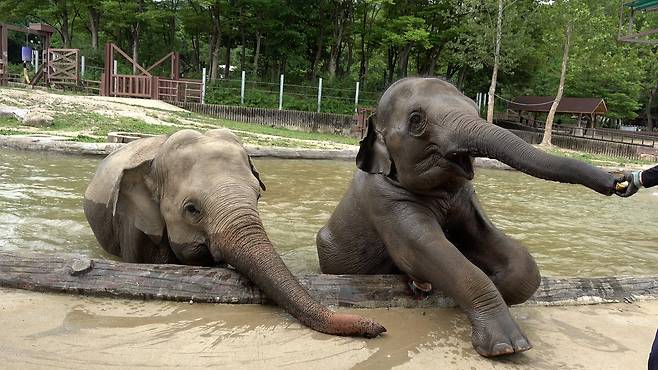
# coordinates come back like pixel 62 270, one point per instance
pixel 49 330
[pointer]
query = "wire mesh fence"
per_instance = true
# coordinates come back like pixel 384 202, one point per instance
pixel 288 96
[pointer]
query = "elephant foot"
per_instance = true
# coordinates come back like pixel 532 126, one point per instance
pixel 498 335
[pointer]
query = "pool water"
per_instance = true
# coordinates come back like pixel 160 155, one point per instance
pixel 569 229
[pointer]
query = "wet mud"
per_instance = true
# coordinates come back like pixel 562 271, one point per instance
pixel 50 330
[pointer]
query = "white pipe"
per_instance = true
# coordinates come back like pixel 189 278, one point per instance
pixel 203 86
pixel 82 68
pixel 281 93
pixel 242 88
pixel 319 93
pixel 115 67
pixel 356 97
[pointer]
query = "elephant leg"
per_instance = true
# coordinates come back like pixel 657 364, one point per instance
pixel 506 261
pixel 416 243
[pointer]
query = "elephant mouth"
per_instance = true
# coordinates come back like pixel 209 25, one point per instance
pixel 461 162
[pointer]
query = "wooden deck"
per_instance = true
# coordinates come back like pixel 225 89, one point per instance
pixel 80 275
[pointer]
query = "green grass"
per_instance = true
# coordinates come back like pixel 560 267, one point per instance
pixel 87 139
pixel 97 126
pixel 9 121
pixel 10 132
pixel 276 131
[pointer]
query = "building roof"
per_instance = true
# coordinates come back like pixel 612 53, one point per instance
pixel 567 104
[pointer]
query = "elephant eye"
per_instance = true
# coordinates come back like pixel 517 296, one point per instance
pixel 417 124
pixel 192 210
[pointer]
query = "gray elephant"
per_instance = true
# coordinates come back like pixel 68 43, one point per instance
pixel 411 207
pixel 191 198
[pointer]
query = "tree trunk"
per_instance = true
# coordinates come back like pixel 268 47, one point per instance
pixel 339 28
pixel 215 42
pixel 404 61
pixel 494 75
pixel 319 46
pixel 391 59
pixel 66 31
pixel 227 64
pixel 94 23
pixel 362 64
pixel 652 98
pixel 61 273
pixel 257 52
pixel 548 129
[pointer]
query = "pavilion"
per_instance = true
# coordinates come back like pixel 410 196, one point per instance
pixel 587 109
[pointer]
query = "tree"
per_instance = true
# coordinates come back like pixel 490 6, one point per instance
pixel 548 128
pixel 494 75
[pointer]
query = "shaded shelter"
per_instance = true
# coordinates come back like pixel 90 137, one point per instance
pixel 39 29
pixel 587 109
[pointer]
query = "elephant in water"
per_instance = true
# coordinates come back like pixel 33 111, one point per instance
pixel 411 207
pixel 192 198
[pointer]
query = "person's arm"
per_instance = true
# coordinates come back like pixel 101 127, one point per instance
pixel 633 181
pixel 649 177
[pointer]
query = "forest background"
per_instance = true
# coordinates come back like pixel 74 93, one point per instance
pixel 373 42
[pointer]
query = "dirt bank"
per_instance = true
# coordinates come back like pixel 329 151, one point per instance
pixel 47 330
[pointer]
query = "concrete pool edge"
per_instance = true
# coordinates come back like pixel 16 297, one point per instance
pixel 59 144
pixel 81 275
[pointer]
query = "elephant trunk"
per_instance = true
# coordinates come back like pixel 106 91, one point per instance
pixel 242 242
pixel 486 140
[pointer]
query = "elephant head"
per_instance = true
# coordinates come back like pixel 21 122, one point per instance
pixel 426 132
pixel 196 195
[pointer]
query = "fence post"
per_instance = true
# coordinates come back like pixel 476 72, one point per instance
pixel 356 97
pixel 203 85
pixel 242 89
pixel 319 93
pixel 82 68
pixel 35 60
pixel 281 93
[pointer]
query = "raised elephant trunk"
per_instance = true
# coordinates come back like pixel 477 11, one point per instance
pixel 243 243
pixel 486 140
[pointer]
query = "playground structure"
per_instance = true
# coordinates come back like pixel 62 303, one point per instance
pixel 145 84
pixel 640 37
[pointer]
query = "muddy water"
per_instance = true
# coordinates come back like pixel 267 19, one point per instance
pixel 570 230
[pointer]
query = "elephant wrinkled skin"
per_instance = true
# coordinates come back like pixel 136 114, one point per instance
pixel 411 207
pixel 192 198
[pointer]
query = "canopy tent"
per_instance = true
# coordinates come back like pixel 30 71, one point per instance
pixel 587 107
pixel 633 34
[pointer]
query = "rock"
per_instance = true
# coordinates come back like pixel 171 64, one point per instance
pixel 13 112
pixel 37 118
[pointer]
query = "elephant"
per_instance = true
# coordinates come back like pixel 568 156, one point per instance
pixel 411 207
pixel 191 198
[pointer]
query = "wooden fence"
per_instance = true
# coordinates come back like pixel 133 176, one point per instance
pixel 292 119
pixel 608 148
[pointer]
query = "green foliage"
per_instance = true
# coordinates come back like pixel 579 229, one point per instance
pixel 371 41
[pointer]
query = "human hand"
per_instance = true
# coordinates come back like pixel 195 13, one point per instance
pixel 625 186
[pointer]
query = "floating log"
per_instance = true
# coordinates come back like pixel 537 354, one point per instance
pixel 97 277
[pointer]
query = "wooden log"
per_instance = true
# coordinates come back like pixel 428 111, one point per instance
pixel 82 275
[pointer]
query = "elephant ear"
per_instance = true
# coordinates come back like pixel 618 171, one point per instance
pixel 373 156
pixel 134 192
pixel 255 172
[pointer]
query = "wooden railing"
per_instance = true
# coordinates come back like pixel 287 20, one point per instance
pixel 603 147
pixel 131 86
pixel 179 90
pixel 599 134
